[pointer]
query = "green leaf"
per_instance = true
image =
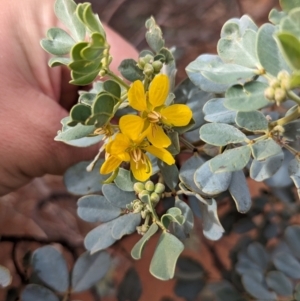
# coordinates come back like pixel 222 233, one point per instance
pixel 254 285
pixel 83 80
pixel 287 264
pixel 252 121
pixel 112 87
pixel 130 71
pixel 167 55
pixel 264 149
pixel 170 174
pixel 5 276
pixel 193 71
pixel 164 260
pixel 54 275
pixel 212 228
pixel 295 80
pixel 215 111
pixel 80 182
pixel 125 180
pixel 34 292
pixel 209 182
pixel 125 224
pixel 279 283
pixel 291 23
pixel 239 191
pixel 288 5
pixel 239 50
pixel 89 269
pixel 291 236
pixel 172 215
pixel 174 147
pixel 294 172
pixel 58 43
pixel 187 171
pixel 116 196
pixel 276 16
pixel 231 160
pixel 292 130
pixel 290 48
pixel 94 50
pixel 96 208
pixel 73 133
pixel 221 134
pixel 80 113
pixel 248 97
pixel 258 254
pixel 267 50
pixel 154 35
pixel 89 19
pixel 65 12
pixel 58 61
pixel 138 248
pixel 100 238
pixel 261 170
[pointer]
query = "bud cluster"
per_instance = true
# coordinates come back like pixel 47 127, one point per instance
pixel 149 65
pixel 154 191
pixel 278 87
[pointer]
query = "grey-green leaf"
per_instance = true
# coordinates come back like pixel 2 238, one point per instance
pixel 291 236
pixel 137 250
pixel 294 172
pixel 80 182
pixel 275 16
pixel 239 191
pixel 288 5
pixel 258 254
pixel 125 224
pixel 130 70
pixel 287 264
pixel 96 208
pixel 265 149
pixel 231 160
pixel 268 52
pixel 209 182
pixel 74 133
pixel 248 97
pixel 164 260
pixel 291 23
pixel 170 174
pixel 116 196
pixel 279 283
pixel 34 292
pixel 54 275
pixel 215 111
pixel 252 121
pixel 125 180
pixel 89 269
pixel 5 276
pixel 65 11
pixel 221 134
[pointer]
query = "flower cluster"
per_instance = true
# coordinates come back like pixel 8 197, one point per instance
pixel 145 132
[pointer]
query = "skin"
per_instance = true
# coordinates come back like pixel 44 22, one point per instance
pixel 34 98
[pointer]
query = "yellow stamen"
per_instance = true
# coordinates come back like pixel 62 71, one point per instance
pixel 154 117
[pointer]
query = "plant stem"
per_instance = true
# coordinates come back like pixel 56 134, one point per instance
pixel 187 144
pixel 286 119
pixel 118 79
pixel 293 96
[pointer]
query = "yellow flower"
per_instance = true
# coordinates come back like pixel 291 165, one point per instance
pixel 154 114
pixel 130 146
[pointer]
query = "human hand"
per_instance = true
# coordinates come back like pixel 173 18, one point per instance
pixel 34 98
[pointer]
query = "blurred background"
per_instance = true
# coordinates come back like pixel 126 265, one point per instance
pixel 44 212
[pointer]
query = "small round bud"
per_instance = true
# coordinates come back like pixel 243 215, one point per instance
pixel 280 95
pixel 144 228
pixel 148 69
pixel 269 93
pixel 144 192
pixel 141 63
pixel 102 72
pixel 157 65
pixel 138 187
pixel 283 75
pixel 148 58
pixel 286 84
pixel 274 83
pixel 159 188
pixel 154 197
pixel 149 185
pixel 137 206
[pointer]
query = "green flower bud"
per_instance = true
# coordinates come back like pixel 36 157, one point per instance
pixel 148 69
pixel 286 84
pixel 144 192
pixel 149 185
pixel 148 58
pixel 274 83
pixel 154 197
pixel 157 65
pixel 269 93
pixel 141 63
pixel 159 188
pixel 283 75
pixel 102 72
pixel 138 187
pixel 280 95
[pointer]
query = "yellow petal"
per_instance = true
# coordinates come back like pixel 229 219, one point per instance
pixel 161 154
pixel 157 136
pixel 119 145
pixel 176 115
pixel 110 165
pixel 131 126
pixel 159 90
pixel 141 171
pixel 137 97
